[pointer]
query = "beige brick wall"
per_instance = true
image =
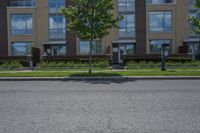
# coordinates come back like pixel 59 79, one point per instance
pixel 180 23
pixel 21 38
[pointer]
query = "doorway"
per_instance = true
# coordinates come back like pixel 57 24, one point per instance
pixel 125 49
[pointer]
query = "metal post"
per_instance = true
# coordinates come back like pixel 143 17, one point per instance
pixel 30 61
pixel 193 51
pixel 163 57
pixel 163 68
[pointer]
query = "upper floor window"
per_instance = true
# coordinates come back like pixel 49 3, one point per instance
pixel 159 1
pixel 57 24
pixel 127 26
pixel 192 4
pixel 126 5
pixel 160 21
pixel 56 3
pixel 22 3
pixel 21 24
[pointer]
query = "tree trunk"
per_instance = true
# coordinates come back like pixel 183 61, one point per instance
pixel 90 57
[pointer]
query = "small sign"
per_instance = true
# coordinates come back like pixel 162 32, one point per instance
pixel 115 50
pixel 166 53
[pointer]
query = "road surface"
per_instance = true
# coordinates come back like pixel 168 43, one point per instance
pixel 148 106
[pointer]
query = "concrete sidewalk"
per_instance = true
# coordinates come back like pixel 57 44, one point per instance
pixel 100 78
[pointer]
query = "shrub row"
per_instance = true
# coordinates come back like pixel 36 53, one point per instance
pixel 57 64
pixel 171 59
pixel 11 65
pixel 132 64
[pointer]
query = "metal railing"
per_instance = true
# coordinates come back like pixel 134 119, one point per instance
pixel 18 3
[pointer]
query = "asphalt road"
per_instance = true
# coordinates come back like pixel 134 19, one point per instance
pixel 100 106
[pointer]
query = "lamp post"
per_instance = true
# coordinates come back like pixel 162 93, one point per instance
pixel 164 55
pixel 30 61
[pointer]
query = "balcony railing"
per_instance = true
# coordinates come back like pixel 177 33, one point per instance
pixel 126 7
pixel 23 3
pixel 59 33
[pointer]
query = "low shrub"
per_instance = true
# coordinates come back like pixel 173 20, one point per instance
pixel 132 64
pixel 11 65
pixel 72 64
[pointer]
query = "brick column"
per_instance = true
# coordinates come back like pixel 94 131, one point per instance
pixel 71 37
pixel 140 27
pixel 3 28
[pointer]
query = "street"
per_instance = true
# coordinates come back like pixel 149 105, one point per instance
pixel 140 106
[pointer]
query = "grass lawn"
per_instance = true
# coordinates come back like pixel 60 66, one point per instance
pixel 68 73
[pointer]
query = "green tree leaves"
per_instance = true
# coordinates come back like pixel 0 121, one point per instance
pixel 195 20
pixel 91 20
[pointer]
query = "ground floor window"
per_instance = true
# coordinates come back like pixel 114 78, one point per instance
pixel 130 49
pixel 85 47
pixel 21 48
pixel 156 45
pixel 195 50
pixel 56 50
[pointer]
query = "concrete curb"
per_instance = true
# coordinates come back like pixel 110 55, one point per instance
pixel 124 78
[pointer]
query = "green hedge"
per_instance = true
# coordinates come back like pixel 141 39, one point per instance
pixel 61 64
pixel 132 64
pixel 171 59
pixel 10 65
pixel 24 63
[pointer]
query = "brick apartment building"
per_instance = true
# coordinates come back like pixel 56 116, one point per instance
pixel 146 26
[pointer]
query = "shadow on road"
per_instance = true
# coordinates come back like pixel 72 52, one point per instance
pixel 118 80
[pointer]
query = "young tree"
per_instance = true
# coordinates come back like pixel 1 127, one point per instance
pixel 91 20
pixel 195 20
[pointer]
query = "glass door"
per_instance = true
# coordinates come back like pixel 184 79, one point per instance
pixel 122 53
pixel 125 49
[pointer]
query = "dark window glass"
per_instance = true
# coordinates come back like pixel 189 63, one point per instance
pixel 21 24
pixel 21 48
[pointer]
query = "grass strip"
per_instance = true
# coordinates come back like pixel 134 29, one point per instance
pixel 152 72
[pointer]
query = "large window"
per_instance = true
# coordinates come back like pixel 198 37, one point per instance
pixel 57 26
pixel 127 26
pixel 85 47
pixel 160 21
pixel 126 5
pixel 21 24
pixel 156 45
pixel 21 48
pixel 16 3
pixel 56 3
pixel 159 1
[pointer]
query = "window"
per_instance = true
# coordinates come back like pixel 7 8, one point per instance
pixel 192 14
pixel 126 5
pixel 127 26
pixel 21 48
pixel 160 21
pixel 59 50
pixel 130 49
pixel 57 27
pixel 156 45
pixel 56 3
pixel 85 47
pixel 21 24
pixel 16 3
pixel 159 1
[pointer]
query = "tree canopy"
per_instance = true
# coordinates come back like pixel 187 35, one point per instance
pixel 195 20
pixel 91 18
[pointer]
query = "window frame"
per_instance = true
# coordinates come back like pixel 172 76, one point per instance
pixel 26 29
pixel 164 27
